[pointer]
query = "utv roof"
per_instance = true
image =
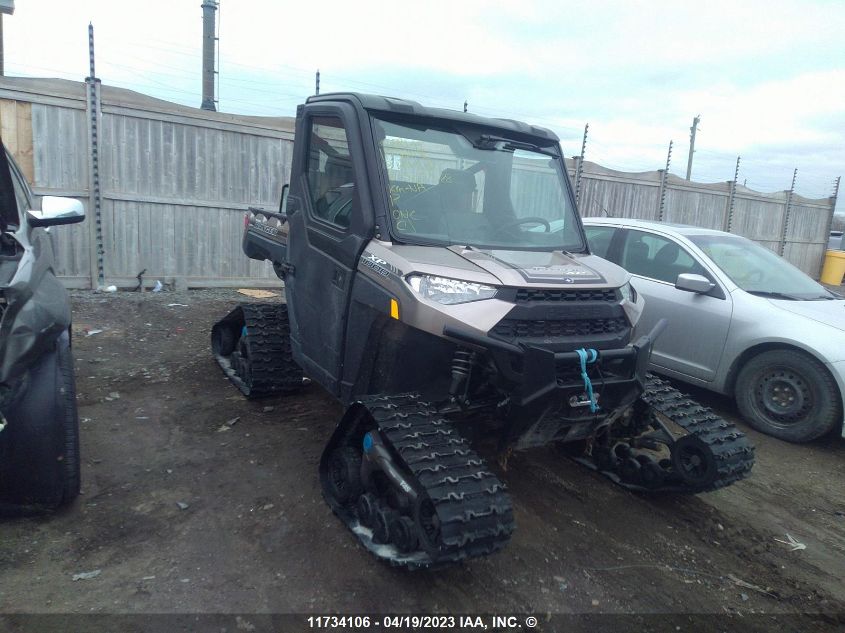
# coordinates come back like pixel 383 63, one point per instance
pixel 391 105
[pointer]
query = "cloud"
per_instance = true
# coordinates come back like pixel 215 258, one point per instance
pixel 768 78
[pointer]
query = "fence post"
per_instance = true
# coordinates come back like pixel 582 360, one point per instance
pixel 830 219
pixel 664 174
pixel 729 216
pixel 95 223
pixel 579 166
pixel 787 209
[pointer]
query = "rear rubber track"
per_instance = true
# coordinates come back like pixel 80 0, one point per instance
pixel 272 368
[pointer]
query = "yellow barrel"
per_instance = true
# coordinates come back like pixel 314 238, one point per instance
pixel 834 268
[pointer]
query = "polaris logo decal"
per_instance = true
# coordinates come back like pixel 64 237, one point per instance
pixel 564 273
pixel 569 271
pixel 559 273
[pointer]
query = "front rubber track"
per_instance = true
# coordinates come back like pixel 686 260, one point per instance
pixel 733 453
pixel 473 510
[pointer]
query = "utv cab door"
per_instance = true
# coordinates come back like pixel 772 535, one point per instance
pixel 330 223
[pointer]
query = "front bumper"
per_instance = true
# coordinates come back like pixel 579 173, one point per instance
pixel 541 376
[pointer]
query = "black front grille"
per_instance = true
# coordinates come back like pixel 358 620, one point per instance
pixel 520 328
pixel 526 295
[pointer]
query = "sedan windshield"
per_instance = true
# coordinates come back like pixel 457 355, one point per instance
pixel 758 270
pixel 468 187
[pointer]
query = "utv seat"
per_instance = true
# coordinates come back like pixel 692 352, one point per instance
pixel 457 190
pixel 334 184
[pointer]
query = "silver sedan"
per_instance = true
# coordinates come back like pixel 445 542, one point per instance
pixel 742 322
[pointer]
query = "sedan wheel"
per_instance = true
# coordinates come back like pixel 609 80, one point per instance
pixel 788 394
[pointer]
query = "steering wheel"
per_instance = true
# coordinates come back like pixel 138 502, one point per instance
pixel 527 220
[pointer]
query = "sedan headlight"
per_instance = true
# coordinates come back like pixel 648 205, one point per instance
pixel 628 293
pixel 449 291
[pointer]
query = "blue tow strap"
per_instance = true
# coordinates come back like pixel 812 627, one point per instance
pixel 588 356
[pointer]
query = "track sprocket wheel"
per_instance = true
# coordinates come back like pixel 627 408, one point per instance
pixel 344 475
pixel 694 462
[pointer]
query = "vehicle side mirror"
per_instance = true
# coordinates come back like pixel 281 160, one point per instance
pixel 290 204
pixel 55 211
pixel 694 283
pixel 283 206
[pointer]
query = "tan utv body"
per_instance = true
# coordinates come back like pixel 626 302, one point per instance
pixel 438 283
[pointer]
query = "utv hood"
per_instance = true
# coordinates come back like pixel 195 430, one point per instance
pixel 515 268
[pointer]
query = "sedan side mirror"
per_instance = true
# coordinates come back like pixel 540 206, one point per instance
pixel 55 211
pixel 694 283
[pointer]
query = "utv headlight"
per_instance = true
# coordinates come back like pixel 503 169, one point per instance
pixel 449 291
pixel 629 293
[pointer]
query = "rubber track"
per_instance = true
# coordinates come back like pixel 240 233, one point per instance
pixel 273 369
pixel 475 513
pixel 733 452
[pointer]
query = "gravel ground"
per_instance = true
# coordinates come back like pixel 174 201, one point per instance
pixel 196 501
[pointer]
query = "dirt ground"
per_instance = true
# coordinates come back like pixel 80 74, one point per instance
pixel 184 511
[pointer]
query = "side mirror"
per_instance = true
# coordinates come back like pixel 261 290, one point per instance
pixel 694 283
pixel 290 204
pixel 283 207
pixel 55 211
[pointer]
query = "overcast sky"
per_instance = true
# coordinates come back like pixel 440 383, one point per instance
pixel 767 78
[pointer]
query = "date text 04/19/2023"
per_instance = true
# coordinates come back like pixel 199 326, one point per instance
pixel 470 622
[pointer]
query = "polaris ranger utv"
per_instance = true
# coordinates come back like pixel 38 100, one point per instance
pixel 439 284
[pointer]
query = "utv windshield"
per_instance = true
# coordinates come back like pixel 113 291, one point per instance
pixel 470 187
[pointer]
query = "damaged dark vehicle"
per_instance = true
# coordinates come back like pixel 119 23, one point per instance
pixel 39 425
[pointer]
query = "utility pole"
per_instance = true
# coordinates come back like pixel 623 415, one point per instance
pixel 6 6
pixel 209 40
pixel 692 131
pixel 317 82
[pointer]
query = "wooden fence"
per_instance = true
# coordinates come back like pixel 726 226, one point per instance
pixel 170 183
pixel 790 225
pixel 174 181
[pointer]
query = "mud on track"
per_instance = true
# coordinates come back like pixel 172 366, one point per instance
pixel 256 537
